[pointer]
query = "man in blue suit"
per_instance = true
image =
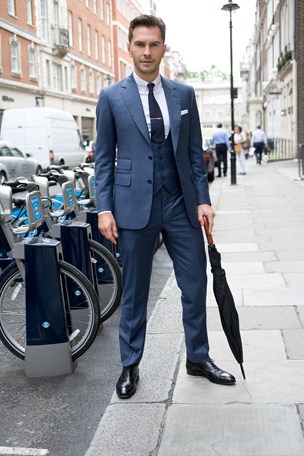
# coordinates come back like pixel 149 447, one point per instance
pixel 151 178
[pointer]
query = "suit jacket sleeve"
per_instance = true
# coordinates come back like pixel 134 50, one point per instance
pixel 105 154
pixel 199 170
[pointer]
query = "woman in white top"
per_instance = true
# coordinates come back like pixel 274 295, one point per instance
pixel 239 139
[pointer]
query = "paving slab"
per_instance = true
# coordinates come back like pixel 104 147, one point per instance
pixel 234 430
pixel 132 429
pixel 294 342
pixel 271 280
pixel 257 345
pixel 277 214
pixel 284 266
pixel 235 247
pixel 300 313
pixel 294 279
pixel 248 256
pixel 262 318
pixel 285 254
pixel 293 243
pixel 280 296
pixel 240 235
pixel 267 382
pixel 244 267
pixel 162 321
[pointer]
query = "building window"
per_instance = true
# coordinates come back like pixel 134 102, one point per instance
pixel 103 49
pixel 29 12
pixel 110 53
pixel 96 45
pixel 11 7
pixel 73 77
pixel 57 76
pixel 82 80
pixel 101 10
pixel 88 3
pixel 32 62
pixel 70 28
pixel 108 14
pixel 98 84
pixel 44 20
pixel 66 79
pixel 89 40
pixel 95 6
pixel 48 73
pixel 15 57
pixel 91 83
pixel 80 34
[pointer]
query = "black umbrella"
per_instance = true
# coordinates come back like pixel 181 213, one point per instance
pixel 225 301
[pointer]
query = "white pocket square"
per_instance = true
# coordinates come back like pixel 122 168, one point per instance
pixel 184 111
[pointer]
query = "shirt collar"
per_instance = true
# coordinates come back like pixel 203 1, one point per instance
pixel 143 84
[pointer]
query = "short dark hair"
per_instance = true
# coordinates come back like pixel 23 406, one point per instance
pixel 219 125
pixel 148 21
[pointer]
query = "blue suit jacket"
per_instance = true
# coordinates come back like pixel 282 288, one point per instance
pixel 122 133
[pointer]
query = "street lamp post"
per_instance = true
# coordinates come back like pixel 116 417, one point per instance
pixel 231 7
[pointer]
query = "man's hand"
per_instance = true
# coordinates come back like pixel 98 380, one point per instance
pixel 204 210
pixel 107 227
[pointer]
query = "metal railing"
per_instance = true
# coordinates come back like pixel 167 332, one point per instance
pixel 280 149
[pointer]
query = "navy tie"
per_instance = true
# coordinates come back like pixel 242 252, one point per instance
pixel 157 122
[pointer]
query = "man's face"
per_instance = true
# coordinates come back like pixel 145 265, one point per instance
pixel 147 49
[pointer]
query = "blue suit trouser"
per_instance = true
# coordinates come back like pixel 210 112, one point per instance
pixel 185 245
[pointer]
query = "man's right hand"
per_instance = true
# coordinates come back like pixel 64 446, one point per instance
pixel 107 227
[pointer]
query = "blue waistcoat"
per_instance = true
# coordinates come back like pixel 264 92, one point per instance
pixel 165 172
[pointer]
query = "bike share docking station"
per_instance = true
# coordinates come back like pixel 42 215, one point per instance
pixel 47 349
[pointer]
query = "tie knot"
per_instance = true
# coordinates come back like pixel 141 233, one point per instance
pixel 151 86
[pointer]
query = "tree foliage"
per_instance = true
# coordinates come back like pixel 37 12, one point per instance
pixel 211 74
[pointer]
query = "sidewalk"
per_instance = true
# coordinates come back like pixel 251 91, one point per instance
pixel 259 231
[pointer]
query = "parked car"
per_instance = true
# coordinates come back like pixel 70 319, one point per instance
pixel 209 158
pixel 14 163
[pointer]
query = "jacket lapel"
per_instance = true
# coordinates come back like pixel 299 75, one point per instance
pixel 132 99
pixel 174 108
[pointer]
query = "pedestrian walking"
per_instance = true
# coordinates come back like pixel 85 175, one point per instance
pixel 239 141
pixel 259 141
pixel 222 145
pixel 159 185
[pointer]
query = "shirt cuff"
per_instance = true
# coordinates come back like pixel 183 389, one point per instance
pixel 104 212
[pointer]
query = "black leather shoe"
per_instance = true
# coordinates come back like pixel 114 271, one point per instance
pixel 209 370
pixel 126 385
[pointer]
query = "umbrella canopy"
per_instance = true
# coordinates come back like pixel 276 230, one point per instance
pixel 223 296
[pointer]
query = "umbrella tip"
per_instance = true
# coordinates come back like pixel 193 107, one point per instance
pixel 243 372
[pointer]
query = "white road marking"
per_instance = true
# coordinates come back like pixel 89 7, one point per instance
pixel 15 451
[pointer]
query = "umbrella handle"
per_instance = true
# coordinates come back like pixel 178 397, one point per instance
pixel 208 235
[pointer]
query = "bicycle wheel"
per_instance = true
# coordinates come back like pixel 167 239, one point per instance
pixel 81 308
pixel 107 279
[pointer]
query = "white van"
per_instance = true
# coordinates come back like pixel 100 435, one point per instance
pixel 50 135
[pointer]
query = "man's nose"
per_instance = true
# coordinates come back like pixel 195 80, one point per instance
pixel 147 50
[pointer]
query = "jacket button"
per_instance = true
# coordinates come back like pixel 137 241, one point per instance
pixel 150 157
pixel 149 181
